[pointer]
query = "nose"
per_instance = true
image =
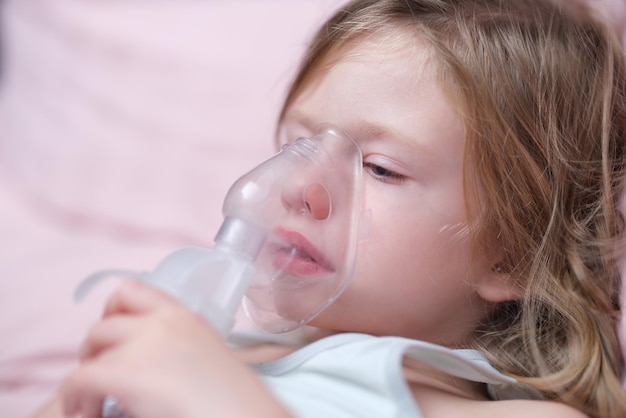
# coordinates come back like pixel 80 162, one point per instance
pixel 312 199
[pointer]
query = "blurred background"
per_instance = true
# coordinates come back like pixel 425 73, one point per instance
pixel 122 126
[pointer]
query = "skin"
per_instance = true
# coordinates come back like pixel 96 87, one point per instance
pixel 412 142
pixel 414 274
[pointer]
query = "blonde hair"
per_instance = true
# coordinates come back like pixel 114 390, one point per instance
pixel 542 91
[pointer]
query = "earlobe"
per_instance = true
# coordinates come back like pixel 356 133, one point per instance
pixel 499 286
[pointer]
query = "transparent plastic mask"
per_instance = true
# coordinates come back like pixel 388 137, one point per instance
pixel 287 245
pixel 307 199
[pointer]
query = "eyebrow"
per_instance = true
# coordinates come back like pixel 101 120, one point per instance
pixel 365 131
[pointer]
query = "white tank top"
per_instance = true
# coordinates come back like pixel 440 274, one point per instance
pixel 358 375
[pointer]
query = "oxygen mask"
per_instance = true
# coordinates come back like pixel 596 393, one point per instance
pixel 308 200
pixel 288 242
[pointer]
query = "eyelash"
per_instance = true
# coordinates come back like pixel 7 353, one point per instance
pixel 383 174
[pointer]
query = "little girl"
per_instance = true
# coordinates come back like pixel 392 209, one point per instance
pixel 492 134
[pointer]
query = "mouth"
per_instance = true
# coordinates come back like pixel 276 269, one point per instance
pixel 299 257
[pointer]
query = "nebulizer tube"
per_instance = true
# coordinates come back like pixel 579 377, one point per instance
pixel 286 247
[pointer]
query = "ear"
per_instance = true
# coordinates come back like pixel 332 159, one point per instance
pixel 498 286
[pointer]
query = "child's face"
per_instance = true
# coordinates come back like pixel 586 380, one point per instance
pixel 414 276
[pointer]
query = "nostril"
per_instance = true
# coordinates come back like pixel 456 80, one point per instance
pixel 317 201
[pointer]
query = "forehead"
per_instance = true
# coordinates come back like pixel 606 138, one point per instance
pixel 384 44
pixel 399 53
pixel 380 86
pixel 390 65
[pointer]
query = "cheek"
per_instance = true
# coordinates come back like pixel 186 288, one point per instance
pixel 421 242
pixel 407 246
pixel 417 279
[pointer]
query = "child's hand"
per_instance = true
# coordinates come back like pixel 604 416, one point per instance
pixel 158 359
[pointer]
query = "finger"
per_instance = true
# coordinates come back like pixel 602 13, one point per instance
pixel 79 399
pixel 108 333
pixel 91 407
pixel 83 407
pixel 135 297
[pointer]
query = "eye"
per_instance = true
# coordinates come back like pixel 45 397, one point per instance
pixel 383 174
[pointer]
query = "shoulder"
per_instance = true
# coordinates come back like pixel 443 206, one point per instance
pixel 437 403
pixel 527 408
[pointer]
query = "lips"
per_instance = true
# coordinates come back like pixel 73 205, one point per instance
pixel 299 257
